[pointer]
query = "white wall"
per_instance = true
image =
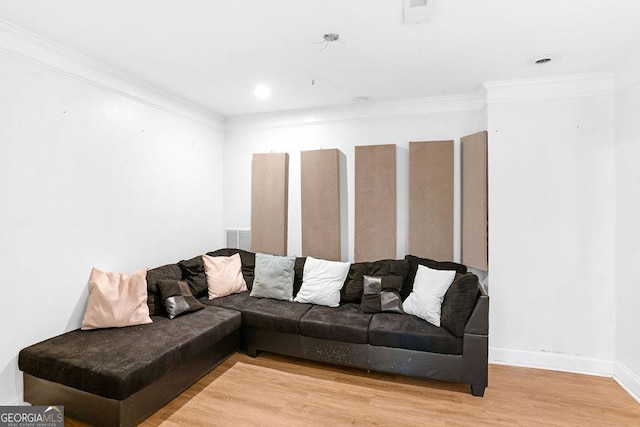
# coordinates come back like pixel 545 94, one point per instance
pixel 89 177
pixel 551 217
pixel 295 132
pixel 627 344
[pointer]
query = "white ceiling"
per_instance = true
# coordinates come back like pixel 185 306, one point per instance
pixel 214 52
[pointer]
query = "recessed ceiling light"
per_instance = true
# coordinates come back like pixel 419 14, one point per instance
pixel 262 92
pixel 543 59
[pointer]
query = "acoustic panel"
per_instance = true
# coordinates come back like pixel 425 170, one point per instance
pixel 269 203
pixel 431 199
pixel 320 199
pixel 474 201
pixel 375 202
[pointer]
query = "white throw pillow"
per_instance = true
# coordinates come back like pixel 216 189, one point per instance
pixel 322 281
pixel 429 287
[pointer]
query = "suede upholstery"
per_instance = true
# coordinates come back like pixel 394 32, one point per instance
pixel 458 303
pixel 275 315
pixel 239 302
pixel 166 272
pixel 345 323
pixel 411 333
pixel 117 362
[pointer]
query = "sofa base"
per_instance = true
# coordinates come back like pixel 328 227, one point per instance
pixel 101 411
pixel 443 367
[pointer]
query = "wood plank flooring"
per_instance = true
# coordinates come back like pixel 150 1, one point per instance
pixel 280 391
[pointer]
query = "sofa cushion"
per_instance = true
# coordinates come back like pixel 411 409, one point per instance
pixel 274 315
pixel 411 333
pixel 177 298
pixel 415 261
pixel 458 303
pixel 168 272
pixel 193 273
pixel 274 277
pixel 345 323
pixel 248 262
pixel 353 288
pixel 115 363
pixel 240 301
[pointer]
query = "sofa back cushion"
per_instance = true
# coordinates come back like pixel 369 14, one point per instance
pixel 166 272
pixel 298 270
pixel 248 260
pixel 193 273
pixel 415 261
pixel 459 302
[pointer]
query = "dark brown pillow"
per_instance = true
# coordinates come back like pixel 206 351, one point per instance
pixel 177 298
pixel 381 293
pixel 458 303
pixel 415 261
pixel 193 273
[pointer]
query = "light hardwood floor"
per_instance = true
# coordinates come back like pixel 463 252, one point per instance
pixel 280 391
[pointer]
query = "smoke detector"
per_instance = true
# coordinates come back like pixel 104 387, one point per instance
pixel 418 11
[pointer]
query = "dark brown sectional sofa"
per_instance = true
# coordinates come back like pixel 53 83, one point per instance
pixel 121 376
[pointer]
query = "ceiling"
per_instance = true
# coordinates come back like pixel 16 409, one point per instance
pixel 214 52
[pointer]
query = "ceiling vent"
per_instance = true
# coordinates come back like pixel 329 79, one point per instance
pixel 418 11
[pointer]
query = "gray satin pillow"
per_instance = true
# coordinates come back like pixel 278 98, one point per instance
pixel 381 293
pixel 274 277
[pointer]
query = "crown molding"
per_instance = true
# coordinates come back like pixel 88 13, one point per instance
pixel 22 44
pixel 567 86
pixel 400 109
pixel 628 74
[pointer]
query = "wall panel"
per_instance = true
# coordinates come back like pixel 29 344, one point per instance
pixel 269 203
pixel 431 199
pixel 320 200
pixel 375 202
pixel 474 200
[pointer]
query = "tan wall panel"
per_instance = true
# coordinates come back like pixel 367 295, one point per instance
pixel 320 199
pixel 474 201
pixel 431 199
pixel 269 203
pixel 375 202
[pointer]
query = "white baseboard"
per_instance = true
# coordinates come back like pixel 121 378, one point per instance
pixel 552 361
pixel 14 401
pixel 627 380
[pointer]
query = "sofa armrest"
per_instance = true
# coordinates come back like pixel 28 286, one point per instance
pixel 478 323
